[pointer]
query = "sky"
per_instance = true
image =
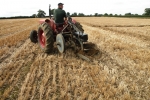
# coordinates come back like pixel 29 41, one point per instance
pixel 9 8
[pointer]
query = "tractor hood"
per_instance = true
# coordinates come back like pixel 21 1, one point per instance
pixel 41 21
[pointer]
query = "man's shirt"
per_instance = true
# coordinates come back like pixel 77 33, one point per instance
pixel 59 15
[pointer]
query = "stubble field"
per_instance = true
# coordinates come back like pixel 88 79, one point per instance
pixel 120 71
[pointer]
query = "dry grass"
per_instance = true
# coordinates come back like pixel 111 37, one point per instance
pixel 114 22
pixel 121 72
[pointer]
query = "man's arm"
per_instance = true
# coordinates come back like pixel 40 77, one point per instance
pixel 54 13
pixel 65 15
pixel 65 18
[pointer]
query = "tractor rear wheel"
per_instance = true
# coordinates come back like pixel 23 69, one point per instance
pixel 45 37
pixel 79 26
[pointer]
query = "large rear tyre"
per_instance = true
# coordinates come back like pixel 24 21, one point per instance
pixel 79 26
pixel 33 36
pixel 45 37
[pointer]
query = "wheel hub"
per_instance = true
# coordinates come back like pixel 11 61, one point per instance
pixel 60 42
pixel 42 39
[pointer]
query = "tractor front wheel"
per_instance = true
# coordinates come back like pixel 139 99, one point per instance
pixel 45 37
pixel 33 36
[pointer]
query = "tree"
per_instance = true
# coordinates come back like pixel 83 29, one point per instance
pixel 41 13
pixel 105 14
pixel 128 14
pixel 100 15
pixel 34 16
pixel 115 15
pixel 80 14
pixel 136 15
pixel 147 11
pixel 74 14
pixel 68 13
pixel 110 14
pixel 96 14
pixel 120 15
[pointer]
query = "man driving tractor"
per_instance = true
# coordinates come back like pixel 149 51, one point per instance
pixel 62 32
pixel 60 15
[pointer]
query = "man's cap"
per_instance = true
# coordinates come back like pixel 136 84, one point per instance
pixel 60 4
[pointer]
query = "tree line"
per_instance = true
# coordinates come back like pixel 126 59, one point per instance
pixel 42 14
pixel 145 14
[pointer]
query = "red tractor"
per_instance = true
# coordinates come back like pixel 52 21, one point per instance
pixel 62 36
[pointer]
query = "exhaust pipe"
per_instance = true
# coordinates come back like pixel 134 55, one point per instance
pixel 49 11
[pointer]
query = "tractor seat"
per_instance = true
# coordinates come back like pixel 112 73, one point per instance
pixel 59 24
pixel 59 27
pixel 82 36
